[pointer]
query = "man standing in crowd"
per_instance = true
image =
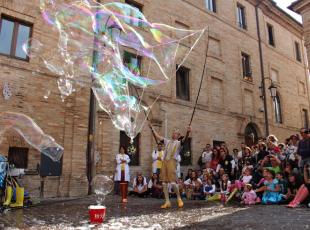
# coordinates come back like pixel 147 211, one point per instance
pixel 206 155
pixel 158 156
pixel 168 170
pixel 303 149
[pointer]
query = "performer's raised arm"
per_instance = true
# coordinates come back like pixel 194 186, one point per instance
pixel 157 136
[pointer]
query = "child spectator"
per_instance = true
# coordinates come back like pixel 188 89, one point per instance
pixel 271 189
pixel 282 182
pixel 208 188
pixel 249 196
pixel 239 184
pixel 193 187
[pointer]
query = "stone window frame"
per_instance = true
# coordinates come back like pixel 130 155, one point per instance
pixel 241 22
pixel 247 74
pixel 211 5
pixel 278 109
pixel 273 41
pixel 131 54
pixel 305 117
pixel 297 51
pixel 17 22
pixel 187 96
pixel 136 5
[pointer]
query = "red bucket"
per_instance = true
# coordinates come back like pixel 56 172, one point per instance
pixel 96 214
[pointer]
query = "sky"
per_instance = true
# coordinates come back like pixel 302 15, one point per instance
pixel 284 4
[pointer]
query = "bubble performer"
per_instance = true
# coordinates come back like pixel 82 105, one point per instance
pixel 169 165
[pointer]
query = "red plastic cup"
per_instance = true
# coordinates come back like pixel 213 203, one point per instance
pixel 96 214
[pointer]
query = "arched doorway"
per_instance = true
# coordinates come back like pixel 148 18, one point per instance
pixel 251 134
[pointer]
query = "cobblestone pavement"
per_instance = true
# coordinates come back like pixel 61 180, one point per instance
pixel 144 213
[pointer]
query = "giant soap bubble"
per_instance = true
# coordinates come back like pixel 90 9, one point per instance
pixel 102 185
pixel 93 49
pixel 32 134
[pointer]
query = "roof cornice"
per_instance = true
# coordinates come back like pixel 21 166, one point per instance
pixel 299 6
pixel 272 10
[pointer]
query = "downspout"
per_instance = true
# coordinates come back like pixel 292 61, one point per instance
pixel 262 69
pixel 91 120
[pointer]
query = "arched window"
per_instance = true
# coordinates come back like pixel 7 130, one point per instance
pixel 277 109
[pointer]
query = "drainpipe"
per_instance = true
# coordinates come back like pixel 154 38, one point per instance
pixel 262 70
pixel 91 122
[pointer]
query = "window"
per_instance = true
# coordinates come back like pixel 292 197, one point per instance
pixel 133 14
pixel 13 34
pixel 211 5
pixel 274 75
pixel 133 62
pixel 270 35
pixel 186 152
pixel 133 150
pixel 18 157
pixel 297 51
pixel 246 67
pixel 241 16
pixel 302 88
pixel 182 83
pixel 277 109
pixel 217 143
pixel 305 117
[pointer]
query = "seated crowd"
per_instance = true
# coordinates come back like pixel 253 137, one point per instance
pixel 266 173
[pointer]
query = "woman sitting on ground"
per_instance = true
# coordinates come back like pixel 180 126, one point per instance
pixel 294 183
pixel 139 187
pixel 193 187
pixel 155 187
pixel 303 192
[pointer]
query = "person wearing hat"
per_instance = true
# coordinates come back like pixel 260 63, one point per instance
pixel 169 164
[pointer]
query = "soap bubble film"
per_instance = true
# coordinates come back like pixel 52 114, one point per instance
pixel 31 133
pixel 102 185
pixel 113 49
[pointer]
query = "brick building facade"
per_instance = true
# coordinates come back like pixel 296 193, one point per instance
pixel 229 108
